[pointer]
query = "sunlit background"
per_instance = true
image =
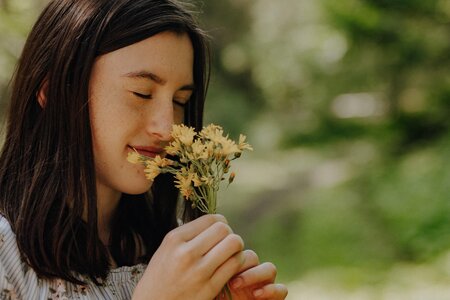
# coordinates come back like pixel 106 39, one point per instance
pixel 347 104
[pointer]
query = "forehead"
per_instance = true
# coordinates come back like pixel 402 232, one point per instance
pixel 168 54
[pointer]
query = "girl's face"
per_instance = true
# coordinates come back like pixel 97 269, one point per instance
pixel 136 93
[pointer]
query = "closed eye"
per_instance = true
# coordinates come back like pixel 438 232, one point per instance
pixel 180 103
pixel 143 96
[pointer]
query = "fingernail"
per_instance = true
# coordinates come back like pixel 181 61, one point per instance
pixel 258 293
pixel 236 283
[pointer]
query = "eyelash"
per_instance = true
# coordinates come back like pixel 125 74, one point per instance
pixel 148 97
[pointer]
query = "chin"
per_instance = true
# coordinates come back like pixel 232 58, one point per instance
pixel 136 188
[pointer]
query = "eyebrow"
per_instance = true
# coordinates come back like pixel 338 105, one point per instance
pixel 153 77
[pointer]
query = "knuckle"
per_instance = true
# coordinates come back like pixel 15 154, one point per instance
pixel 172 236
pixel 252 256
pixel 272 269
pixel 205 219
pixel 223 229
pixel 219 218
pixel 208 219
pixel 237 265
pixel 185 255
pixel 211 219
pixel 237 261
pixel 236 241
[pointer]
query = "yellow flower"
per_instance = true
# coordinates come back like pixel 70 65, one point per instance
pixel 207 180
pixel 228 147
pixel 183 183
pixel 151 170
pixel 196 180
pixel 203 160
pixel 133 157
pixel 162 162
pixel 212 132
pixel 185 135
pixel 199 150
pixel 209 149
pixel 242 144
pixel 174 148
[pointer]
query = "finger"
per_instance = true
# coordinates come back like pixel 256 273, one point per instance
pixel 223 251
pixel 209 238
pixel 261 274
pixel 271 291
pixel 251 260
pixel 190 230
pixel 225 271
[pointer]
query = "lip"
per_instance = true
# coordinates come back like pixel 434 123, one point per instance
pixel 148 151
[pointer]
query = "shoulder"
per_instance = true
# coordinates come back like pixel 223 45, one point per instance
pixel 10 257
pixel 19 281
pixel 16 277
pixel 8 245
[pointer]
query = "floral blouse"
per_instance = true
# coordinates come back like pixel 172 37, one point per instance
pixel 19 281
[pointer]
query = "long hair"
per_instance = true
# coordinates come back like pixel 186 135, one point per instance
pixel 47 174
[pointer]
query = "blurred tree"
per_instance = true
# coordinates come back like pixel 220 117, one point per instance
pixel 298 61
pixel 234 99
pixel 16 18
pixel 332 73
pixel 408 45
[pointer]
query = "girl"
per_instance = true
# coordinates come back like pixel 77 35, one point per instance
pixel 96 79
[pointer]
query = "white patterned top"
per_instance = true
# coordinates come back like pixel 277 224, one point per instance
pixel 19 281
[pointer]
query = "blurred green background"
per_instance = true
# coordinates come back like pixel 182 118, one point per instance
pixel 347 104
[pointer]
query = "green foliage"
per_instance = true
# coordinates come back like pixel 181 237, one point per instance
pixel 390 211
pixel 300 57
pixel 16 18
pixel 412 198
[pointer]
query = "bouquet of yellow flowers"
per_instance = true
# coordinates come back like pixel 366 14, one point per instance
pixel 203 163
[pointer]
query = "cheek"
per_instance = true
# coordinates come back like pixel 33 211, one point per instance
pixel 178 115
pixel 111 115
pixel 99 127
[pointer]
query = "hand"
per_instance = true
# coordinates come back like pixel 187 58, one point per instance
pixel 194 261
pixel 254 278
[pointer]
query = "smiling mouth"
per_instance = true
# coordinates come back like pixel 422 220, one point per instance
pixel 148 151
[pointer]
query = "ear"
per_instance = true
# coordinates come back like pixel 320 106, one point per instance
pixel 42 93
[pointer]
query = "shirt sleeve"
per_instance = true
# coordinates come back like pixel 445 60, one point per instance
pixel 17 279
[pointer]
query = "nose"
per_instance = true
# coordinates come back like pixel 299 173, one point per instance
pixel 160 120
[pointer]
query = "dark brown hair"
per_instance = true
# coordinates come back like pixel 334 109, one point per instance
pixel 47 170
